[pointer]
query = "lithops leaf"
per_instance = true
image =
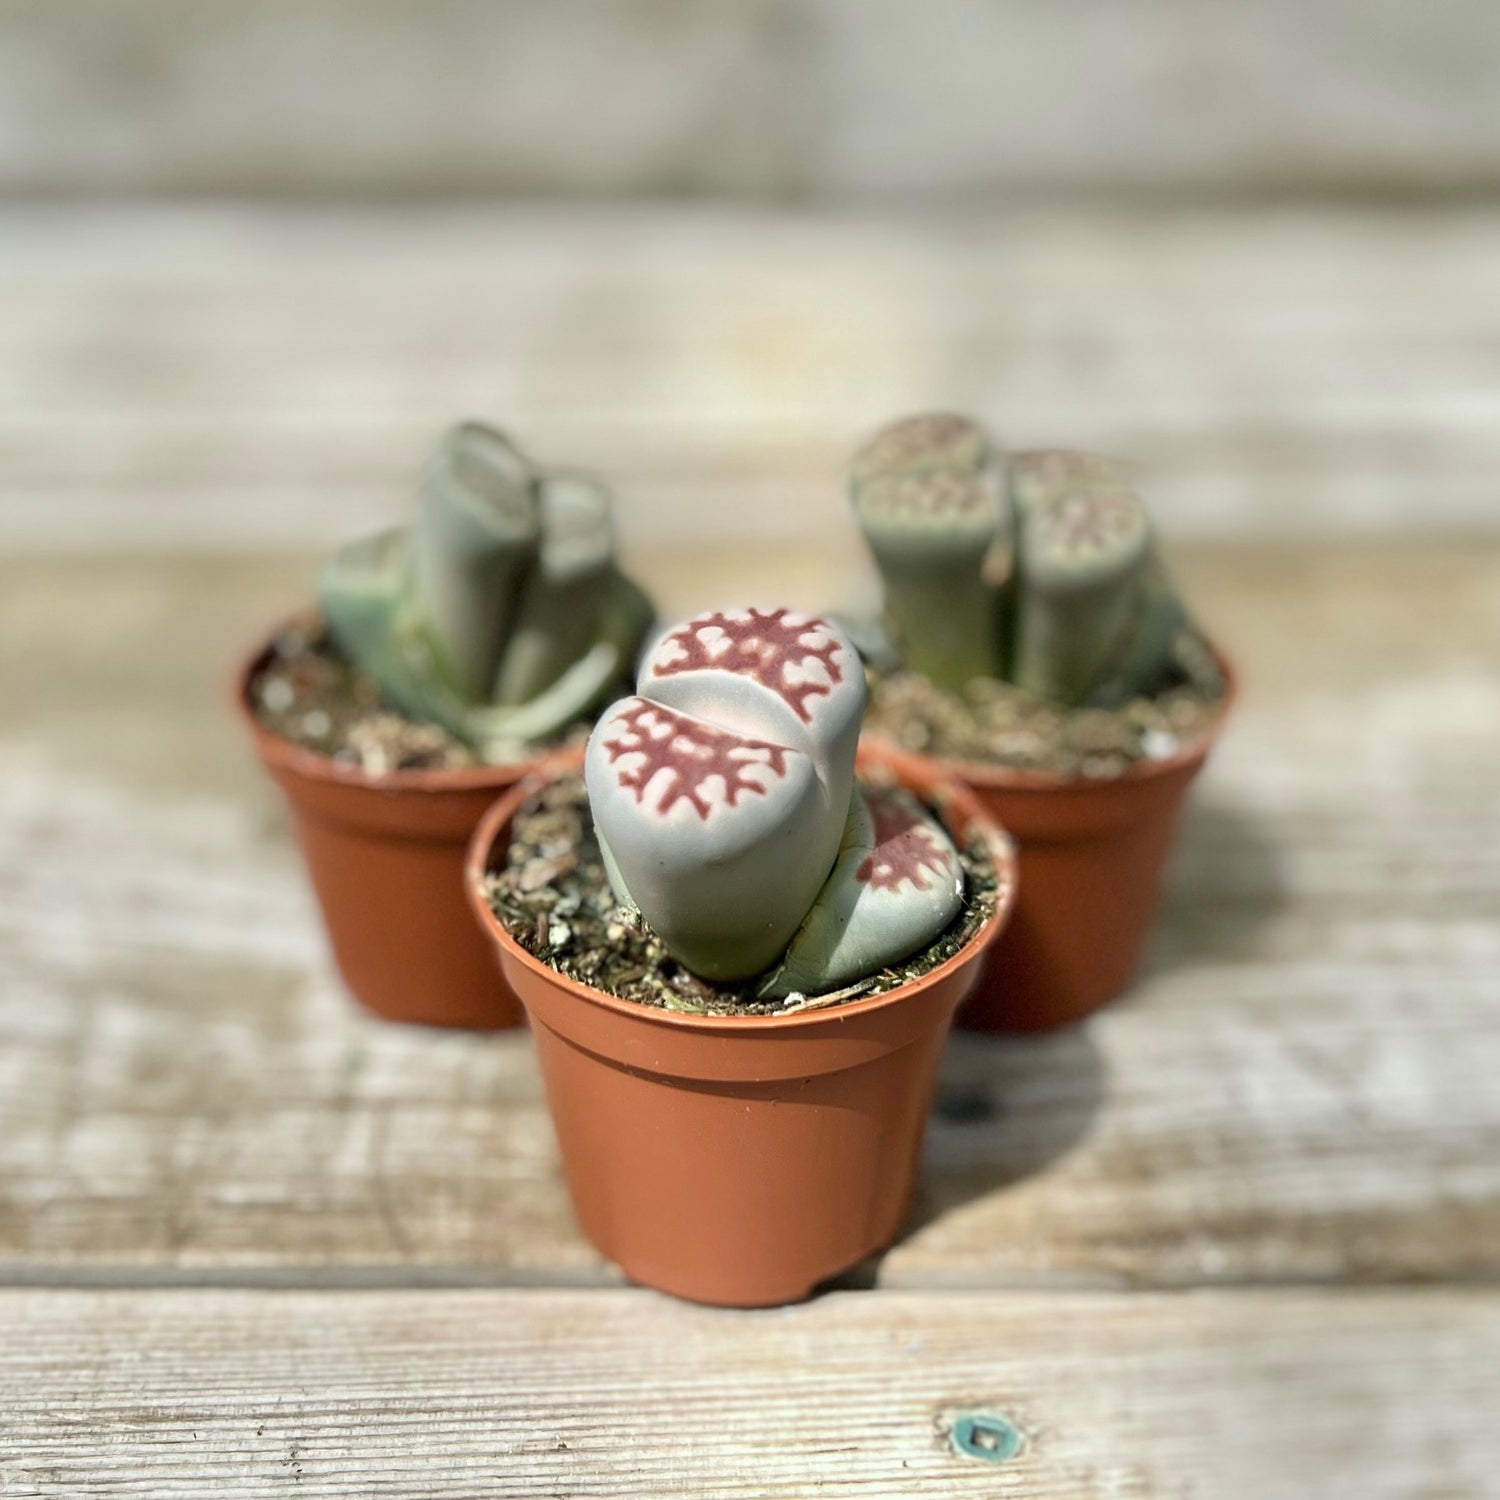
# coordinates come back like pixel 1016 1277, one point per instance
pixel 921 444
pixel 370 605
pixel 565 595
pixel 721 792
pixel 360 590
pixel 929 494
pixel 1083 560
pixel 1145 647
pixel 716 835
pixel 476 539
pixel 872 639
pixel 791 677
pixel 780 669
pixel 896 885
pixel 1039 476
pixel 504 732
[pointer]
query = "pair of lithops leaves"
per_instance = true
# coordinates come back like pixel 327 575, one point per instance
pixel 499 612
pixel 725 800
pixel 1036 567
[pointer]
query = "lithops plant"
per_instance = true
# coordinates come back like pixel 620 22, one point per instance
pixel 499 612
pixel 727 810
pixel 1040 570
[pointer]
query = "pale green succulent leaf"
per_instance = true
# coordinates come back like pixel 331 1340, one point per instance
pixel 1038 477
pixel 1083 562
pixel 897 883
pixel 1144 650
pixel 367 595
pixel 564 597
pixel 476 540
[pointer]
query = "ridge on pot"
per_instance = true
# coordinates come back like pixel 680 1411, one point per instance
pixel 452 657
pixel 1043 656
pixel 736 1158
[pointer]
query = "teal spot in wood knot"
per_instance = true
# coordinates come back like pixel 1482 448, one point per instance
pixel 985 1435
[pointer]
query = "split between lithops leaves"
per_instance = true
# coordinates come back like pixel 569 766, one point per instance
pixel 727 812
pixel 499 613
pixel 1047 578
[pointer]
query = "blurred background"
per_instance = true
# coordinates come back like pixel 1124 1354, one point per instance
pixel 253 256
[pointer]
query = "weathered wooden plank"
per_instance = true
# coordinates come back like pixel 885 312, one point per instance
pixel 771 98
pixel 1300 1088
pixel 624 1393
pixel 212 376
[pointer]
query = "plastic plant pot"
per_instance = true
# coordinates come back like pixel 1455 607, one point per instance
pixel 1090 857
pixel 741 1161
pixel 385 855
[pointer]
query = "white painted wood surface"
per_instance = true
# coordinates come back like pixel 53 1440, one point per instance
pixel 1381 1395
pixel 808 100
pixel 208 377
pixel 1300 1088
pixel 1238 1235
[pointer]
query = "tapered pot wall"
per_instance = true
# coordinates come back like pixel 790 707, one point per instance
pixel 739 1160
pixel 385 856
pixel 1091 870
pixel 1090 859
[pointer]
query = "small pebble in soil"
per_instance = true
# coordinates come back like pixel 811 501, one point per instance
pixel 571 919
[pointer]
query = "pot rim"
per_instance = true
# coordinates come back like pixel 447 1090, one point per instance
pixel 993 776
pixel 938 788
pixel 281 754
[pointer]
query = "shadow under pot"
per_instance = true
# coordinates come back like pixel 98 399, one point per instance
pixel 1090 857
pixel 741 1160
pixel 385 855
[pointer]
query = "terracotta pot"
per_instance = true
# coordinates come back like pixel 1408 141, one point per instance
pixel 739 1160
pixel 1090 856
pixel 386 859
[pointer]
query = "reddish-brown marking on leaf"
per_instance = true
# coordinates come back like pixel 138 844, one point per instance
pixel 906 847
pixel 1091 521
pixel 761 647
pixel 1042 475
pixel 692 751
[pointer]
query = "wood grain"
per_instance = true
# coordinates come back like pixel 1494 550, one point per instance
pixel 1386 1396
pixel 211 376
pixel 1299 1089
